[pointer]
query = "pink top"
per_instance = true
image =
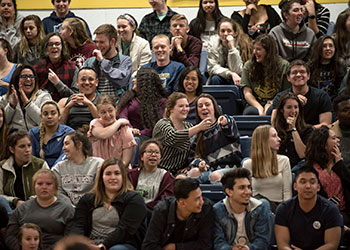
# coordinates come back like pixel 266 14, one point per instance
pixel 331 184
pixel 112 146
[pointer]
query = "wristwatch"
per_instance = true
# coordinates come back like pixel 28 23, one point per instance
pixel 312 17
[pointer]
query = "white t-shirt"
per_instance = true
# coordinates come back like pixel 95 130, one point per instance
pixel 148 184
pixel 241 236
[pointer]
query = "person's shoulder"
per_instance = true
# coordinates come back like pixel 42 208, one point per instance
pixel 131 195
pixel 326 205
pixel 164 205
pixel 219 206
pixel 34 131
pixel 149 16
pixel 51 17
pixel 94 159
pixel 282 158
pixel 65 128
pixel 141 40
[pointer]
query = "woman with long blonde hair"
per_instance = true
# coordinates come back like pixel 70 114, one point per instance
pixel 80 46
pixel 112 215
pixel 271 172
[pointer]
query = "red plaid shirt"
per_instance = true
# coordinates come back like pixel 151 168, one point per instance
pixel 65 70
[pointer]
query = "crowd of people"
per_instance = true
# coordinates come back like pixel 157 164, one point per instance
pixel 106 135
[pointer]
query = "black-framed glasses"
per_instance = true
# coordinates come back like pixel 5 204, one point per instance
pixel 27 76
pixel 151 152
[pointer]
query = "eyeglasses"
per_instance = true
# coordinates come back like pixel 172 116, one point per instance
pixel 27 76
pixel 54 44
pixel 151 152
pixel 301 72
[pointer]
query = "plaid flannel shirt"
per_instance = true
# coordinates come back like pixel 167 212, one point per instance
pixel 65 71
pixel 151 26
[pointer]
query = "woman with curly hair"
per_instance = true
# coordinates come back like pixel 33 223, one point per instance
pixel 191 83
pixel 342 37
pixel 27 51
pixel 205 25
pixel 227 53
pixel 322 152
pixel 80 46
pixel 326 72
pixel 144 105
pixel 263 76
pixel 291 128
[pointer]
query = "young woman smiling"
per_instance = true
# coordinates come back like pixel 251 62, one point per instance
pixel 299 37
pixel 22 103
pixel 110 137
pixel 129 42
pixel 291 128
pixel 55 72
pixel 76 175
pixel 326 71
pixel 112 215
pixel 152 182
pixel 191 83
pixel 204 26
pixel 263 76
pixel 217 149
pixel 175 134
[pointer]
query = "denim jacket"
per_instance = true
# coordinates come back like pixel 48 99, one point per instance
pixel 257 224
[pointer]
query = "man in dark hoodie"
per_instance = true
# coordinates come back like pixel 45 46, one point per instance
pixel 53 22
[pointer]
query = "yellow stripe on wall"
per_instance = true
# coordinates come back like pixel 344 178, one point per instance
pixel 111 4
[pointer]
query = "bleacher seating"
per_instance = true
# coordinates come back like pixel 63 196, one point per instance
pixel 213 192
pixel 246 141
pixel 227 96
pixel 247 123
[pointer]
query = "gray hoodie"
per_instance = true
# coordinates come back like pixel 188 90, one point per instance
pixel 293 46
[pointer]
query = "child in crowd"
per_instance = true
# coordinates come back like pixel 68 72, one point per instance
pixel 111 137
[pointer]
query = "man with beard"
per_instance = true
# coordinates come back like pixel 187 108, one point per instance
pixel 113 69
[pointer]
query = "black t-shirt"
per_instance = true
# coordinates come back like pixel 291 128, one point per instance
pixel 318 102
pixel 306 230
pixel 287 146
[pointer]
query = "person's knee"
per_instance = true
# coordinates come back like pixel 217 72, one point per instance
pixel 194 173
pixel 181 176
pixel 215 177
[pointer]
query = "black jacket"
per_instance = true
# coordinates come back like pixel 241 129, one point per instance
pixel 131 227
pixel 199 227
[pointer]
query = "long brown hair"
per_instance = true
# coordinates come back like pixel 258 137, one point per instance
pixel 243 40
pixel 200 149
pixel 24 46
pixel 280 122
pixel 264 160
pixel 99 189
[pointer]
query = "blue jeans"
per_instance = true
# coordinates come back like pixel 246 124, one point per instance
pixel 6 205
pixel 122 247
